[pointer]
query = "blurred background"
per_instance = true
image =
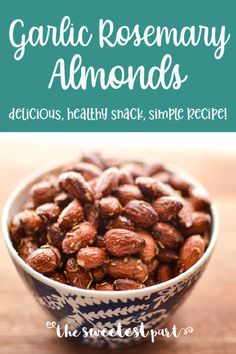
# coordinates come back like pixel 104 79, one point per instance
pixel 211 308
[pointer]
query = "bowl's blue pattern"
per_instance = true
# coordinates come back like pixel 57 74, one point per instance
pixel 88 311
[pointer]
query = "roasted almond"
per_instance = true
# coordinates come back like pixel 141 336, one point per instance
pixel 95 158
pixel 149 251
pixel 191 251
pixel 180 183
pixel 164 273
pixel 72 215
pixel 151 280
pixel 141 213
pixel 167 255
pixel 44 260
pixel 199 198
pixel 91 257
pixel 88 170
pixel 167 235
pixel 105 286
pixel 48 212
pixel 62 199
pixel 55 235
pixel 153 167
pixel 93 183
pixel 26 247
pixel 135 168
pixel 26 222
pixel 83 235
pixel 58 277
pixel 76 275
pixel 109 206
pixel 200 223
pixel 152 265
pixel 120 222
pixel 122 242
pixel 127 192
pixel 125 177
pixel 167 208
pixel 43 192
pixel 75 184
pixel 98 274
pixel 152 187
pixel 107 182
pixel 127 284
pixel 185 214
pixel 92 214
pixel 128 267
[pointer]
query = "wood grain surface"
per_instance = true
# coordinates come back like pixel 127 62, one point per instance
pixel 210 309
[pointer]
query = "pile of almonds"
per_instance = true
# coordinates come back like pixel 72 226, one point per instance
pixel 109 224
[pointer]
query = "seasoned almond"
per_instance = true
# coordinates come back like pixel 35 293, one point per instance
pixel 125 177
pixel 72 215
pixel 200 223
pixel 76 275
pixel 48 212
pixel 127 284
pixel 167 208
pixel 95 158
pixel 109 206
pixel 62 200
pixel 98 274
pixel 164 273
pixel 105 286
pixel 25 222
pixel 185 214
pixel 180 183
pixel 128 267
pixel 92 214
pixel 151 280
pixel 16 229
pixel 135 168
pixel 153 167
pixel 75 184
pixel 88 170
pixel 152 265
pixel 26 247
pixel 44 260
pixel 199 198
pixel 149 251
pixel 91 257
pixel 55 235
pixel 127 192
pixel 141 213
pixel 167 255
pixel 122 242
pixel 107 182
pixel 58 277
pixel 191 251
pixel 152 187
pixel 167 235
pixel 120 222
pixel 83 235
pixel 43 192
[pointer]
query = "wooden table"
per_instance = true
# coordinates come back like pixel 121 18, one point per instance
pixel 210 309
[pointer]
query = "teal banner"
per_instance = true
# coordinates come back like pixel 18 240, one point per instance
pixel 117 66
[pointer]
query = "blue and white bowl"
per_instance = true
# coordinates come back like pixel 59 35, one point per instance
pixel 90 309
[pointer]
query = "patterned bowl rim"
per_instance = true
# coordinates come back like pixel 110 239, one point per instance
pixel 24 186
